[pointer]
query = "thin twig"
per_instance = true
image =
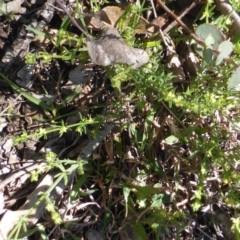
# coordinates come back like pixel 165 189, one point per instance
pixel 159 29
pixel 181 23
pixel 154 9
pixel 174 23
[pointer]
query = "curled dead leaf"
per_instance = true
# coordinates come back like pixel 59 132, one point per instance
pixel 111 15
pixel 110 48
pixel 156 23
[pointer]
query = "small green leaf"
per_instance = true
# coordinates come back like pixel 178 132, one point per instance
pixel 225 48
pixel 205 30
pixel 36 31
pixel 171 139
pixel 157 200
pixel 71 96
pixel 236 41
pixel 237 46
pixel 208 55
pixel 118 79
pixel 77 186
pixel 142 189
pixel 235 79
pixel 126 192
pixel 209 41
pixel 87 193
pixel 212 38
pixel 139 230
pixel 219 59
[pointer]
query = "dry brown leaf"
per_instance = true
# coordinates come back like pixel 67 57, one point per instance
pixel 156 23
pixel 111 16
pixel 110 48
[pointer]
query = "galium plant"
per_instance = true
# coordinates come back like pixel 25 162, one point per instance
pixel 171 146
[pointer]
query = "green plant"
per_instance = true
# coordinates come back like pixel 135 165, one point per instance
pixel 174 148
pixel 66 53
pixel 67 167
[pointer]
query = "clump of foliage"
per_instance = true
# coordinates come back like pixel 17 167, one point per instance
pixel 175 151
